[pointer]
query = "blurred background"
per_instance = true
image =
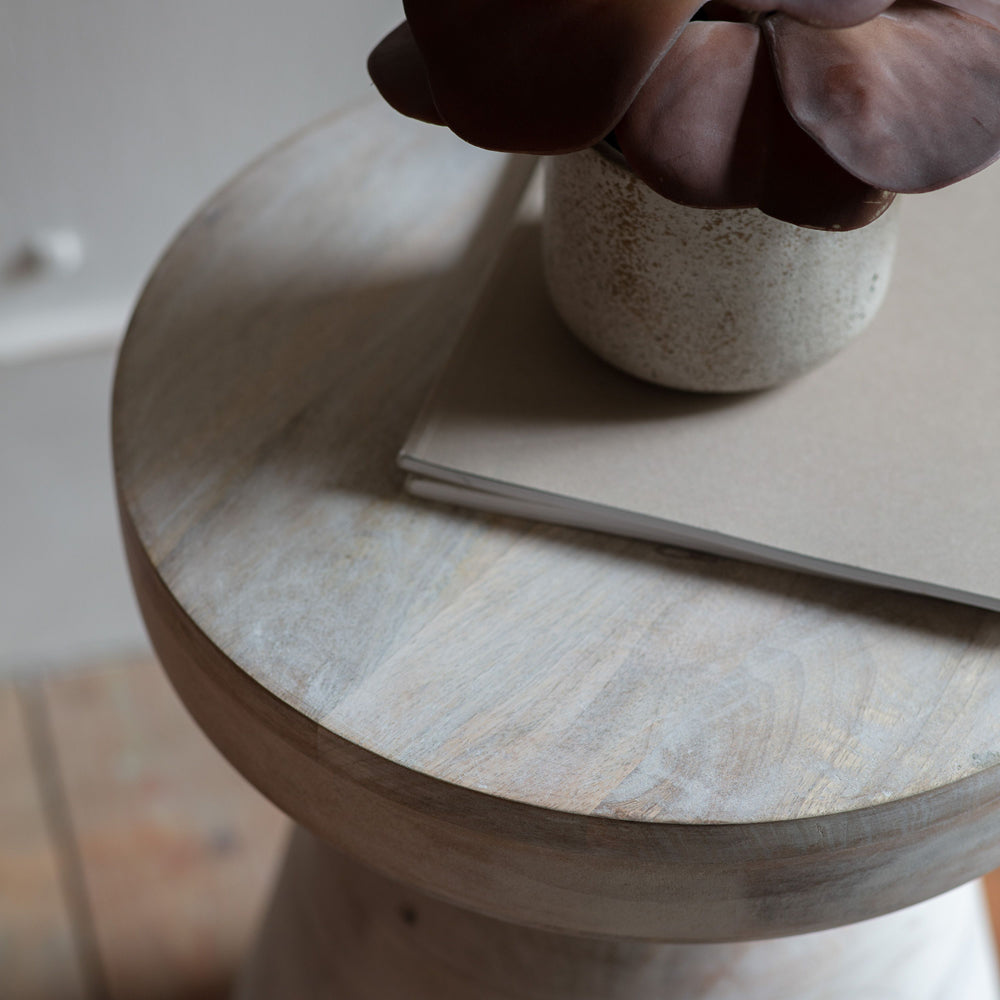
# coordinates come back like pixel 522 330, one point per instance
pixel 133 861
pixel 118 118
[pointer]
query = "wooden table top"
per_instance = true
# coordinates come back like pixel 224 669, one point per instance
pixel 560 727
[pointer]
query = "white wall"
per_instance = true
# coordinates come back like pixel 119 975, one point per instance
pixel 118 116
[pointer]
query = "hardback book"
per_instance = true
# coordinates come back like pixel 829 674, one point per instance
pixel 882 465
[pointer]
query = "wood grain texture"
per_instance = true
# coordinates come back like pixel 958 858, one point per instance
pixel 551 726
pixel 38 955
pixel 177 854
pixel 336 929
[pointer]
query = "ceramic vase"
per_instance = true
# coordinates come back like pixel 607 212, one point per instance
pixel 699 299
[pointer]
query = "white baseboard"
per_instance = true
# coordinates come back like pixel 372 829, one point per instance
pixel 43 333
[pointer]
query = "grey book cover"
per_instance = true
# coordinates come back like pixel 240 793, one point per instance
pixel 883 465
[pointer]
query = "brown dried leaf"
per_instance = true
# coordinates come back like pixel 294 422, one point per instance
pixel 397 69
pixel 710 129
pixel 541 75
pixel 693 132
pixel 824 13
pixel 988 10
pixel 909 101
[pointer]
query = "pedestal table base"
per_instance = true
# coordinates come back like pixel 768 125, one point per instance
pixel 338 931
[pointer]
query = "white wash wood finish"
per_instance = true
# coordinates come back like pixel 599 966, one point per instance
pixel 367 938
pixel 555 727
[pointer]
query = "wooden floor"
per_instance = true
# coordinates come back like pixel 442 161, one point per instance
pixel 134 862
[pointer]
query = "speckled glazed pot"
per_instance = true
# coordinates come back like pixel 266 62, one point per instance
pixel 704 300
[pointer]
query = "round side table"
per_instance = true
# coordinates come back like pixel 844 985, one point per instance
pixel 524 761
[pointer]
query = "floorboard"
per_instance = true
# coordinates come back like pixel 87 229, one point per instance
pixel 38 956
pixel 177 851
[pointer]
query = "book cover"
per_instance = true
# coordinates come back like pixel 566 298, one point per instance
pixel 883 465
